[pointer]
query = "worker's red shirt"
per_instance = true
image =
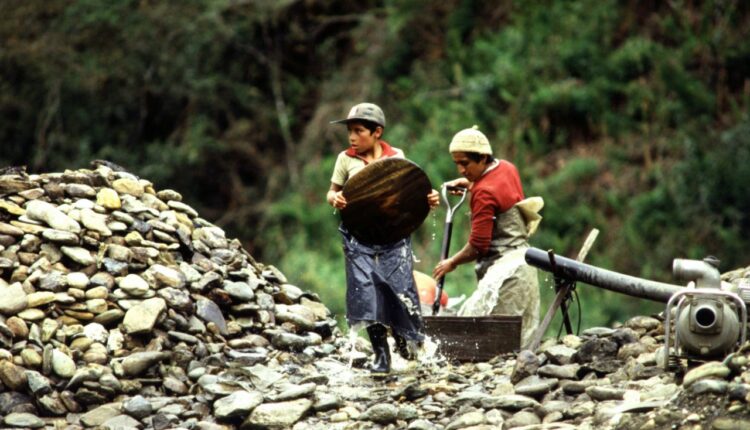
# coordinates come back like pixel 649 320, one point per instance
pixel 494 193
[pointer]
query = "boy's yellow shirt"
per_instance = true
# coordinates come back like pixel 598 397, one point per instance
pixel 349 164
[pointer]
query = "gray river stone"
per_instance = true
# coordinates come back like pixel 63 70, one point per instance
pixel 159 276
pixel 96 222
pixel 298 315
pixel 138 362
pixel 213 237
pixel 79 190
pixel 78 254
pixel 474 398
pixel 62 364
pixel 176 299
pixel 237 404
pixel 511 402
pixel 60 236
pixel 381 413
pixel 261 376
pixel 121 422
pixel 295 342
pixel 134 285
pixel 142 318
pixel 601 394
pixel 527 364
pixel 522 419
pixel 13 299
pixel 38 383
pixel 277 415
pixel 137 407
pixel 712 369
pixel 567 371
pixel 23 420
pixel 643 323
pixel 468 419
pixel 598 332
pixel 534 386
pixel 98 416
pixel 560 354
pixel 709 386
pixel 239 290
pixel 42 211
pixel 210 312
pixel 328 401
pixel 292 392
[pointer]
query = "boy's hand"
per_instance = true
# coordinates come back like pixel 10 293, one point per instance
pixel 433 199
pixel 339 201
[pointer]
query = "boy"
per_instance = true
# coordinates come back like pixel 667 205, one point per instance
pixel 380 291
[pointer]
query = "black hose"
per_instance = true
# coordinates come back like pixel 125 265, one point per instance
pixel 573 270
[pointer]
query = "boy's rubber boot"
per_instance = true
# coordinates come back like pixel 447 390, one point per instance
pixel 379 340
pixel 402 347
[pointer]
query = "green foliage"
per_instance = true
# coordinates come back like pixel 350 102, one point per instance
pixel 629 117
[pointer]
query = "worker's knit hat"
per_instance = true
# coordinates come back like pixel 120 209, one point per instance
pixel 470 140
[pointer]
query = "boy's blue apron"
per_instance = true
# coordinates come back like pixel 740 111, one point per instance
pixel 381 287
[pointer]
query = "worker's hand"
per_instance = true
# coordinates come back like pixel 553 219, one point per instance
pixel 443 267
pixel 338 201
pixel 433 199
pixel 460 183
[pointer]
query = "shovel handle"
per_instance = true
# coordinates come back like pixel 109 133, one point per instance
pixel 445 248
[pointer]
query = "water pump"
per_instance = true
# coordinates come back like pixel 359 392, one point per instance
pixel 710 318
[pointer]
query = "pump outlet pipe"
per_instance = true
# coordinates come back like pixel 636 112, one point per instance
pixel 602 278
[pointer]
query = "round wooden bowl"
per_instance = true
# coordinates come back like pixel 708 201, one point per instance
pixel 386 201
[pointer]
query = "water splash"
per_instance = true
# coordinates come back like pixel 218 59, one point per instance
pixel 410 306
pixel 351 346
pixel 428 356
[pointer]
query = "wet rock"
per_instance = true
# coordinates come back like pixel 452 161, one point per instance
pixel 277 415
pixel 98 416
pixel 522 419
pixel 121 422
pixel 23 420
pixel 467 420
pixel 382 413
pixel 237 404
pixel 712 369
pixel 526 365
pixel 534 386
pixel 560 354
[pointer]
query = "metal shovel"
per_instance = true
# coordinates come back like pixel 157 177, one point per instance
pixel 450 211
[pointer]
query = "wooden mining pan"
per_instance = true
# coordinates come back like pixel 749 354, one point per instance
pixel 474 338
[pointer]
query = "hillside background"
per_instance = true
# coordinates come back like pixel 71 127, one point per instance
pixel 627 116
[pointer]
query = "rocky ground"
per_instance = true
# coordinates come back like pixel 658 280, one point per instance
pixel 122 308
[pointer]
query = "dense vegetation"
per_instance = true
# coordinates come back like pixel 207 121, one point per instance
pixel 627 116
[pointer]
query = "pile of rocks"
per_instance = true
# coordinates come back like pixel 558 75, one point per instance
pixel 122 308
pixel 109 289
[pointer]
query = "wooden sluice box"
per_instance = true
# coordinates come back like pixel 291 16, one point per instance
pixel 474 338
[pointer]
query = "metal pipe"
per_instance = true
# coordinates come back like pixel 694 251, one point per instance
pixel 703 274
pixel 598 277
